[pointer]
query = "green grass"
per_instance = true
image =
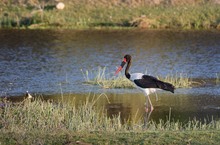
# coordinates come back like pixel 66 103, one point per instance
pixel 105 80
pixel 180 80
pixel 100 138
pixel 217 81
pixel 98 14
pixel 47 122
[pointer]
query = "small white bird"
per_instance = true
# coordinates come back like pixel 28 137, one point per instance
pixel 60 6
pixel 28 95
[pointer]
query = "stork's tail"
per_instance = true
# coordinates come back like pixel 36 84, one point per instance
pixel 165 86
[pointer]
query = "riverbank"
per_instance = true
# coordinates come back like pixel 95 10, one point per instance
pixel 82 138
pixel 98 15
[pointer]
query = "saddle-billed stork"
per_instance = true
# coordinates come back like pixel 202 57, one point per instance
pixel 148 84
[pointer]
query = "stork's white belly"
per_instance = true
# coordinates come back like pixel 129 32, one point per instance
pixel 148 91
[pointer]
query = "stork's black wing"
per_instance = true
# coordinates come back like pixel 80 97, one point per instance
pixel 146 82
pixel 152 82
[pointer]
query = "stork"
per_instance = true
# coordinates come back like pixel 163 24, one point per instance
pixel 148 84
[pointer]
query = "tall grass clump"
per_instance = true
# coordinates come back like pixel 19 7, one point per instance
pixel 104 79
pixel 179 80
pixel 46 116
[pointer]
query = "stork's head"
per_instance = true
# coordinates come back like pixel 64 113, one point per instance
pixel 127 58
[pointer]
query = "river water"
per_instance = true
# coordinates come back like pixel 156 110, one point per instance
pixel 50 63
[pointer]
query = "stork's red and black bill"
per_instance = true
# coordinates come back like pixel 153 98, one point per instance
pixel 121 66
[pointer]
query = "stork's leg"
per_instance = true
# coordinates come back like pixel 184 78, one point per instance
pixel 146 107
pixel 151 106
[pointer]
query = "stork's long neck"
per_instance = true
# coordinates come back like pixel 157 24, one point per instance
pixel 127 74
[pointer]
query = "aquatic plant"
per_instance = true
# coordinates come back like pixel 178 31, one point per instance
pixel 105 80
pixel 179 80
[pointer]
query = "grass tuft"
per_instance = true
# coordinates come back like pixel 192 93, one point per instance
pixel 103 79
pixel 180 80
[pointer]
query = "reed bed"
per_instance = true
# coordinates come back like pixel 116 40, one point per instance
pixel 48 122
pixel 115 14
pixel 106 80
pixel 48 116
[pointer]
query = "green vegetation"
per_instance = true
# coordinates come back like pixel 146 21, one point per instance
pixel 105 80
pixel 187 14
pixel 40 122
pixel 217 81
pixel 180 80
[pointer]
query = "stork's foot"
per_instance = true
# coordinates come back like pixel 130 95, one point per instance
pixel 151 108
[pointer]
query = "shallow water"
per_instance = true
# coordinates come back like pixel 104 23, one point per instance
pixel 49 62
